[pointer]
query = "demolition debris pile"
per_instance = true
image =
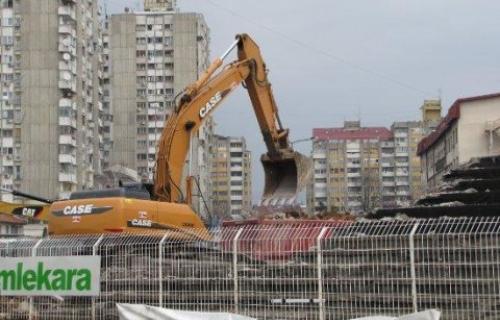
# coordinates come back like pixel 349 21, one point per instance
pixel 471 190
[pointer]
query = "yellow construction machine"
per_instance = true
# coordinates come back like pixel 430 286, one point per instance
pixel 163 205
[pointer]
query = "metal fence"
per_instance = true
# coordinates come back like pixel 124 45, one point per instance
pixel 334 270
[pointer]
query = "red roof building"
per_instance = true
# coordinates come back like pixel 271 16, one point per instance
pixel 363 133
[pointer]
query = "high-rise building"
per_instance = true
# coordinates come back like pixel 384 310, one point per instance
pixel 358 169
pixel 51 128
pixel 107 133
pixel 231 177
pixel 154 55
pixel 407 171
pixel 346 174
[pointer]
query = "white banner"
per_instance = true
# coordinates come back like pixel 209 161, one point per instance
pixel 50 276
pixel 144 312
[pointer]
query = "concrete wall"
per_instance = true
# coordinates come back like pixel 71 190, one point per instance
pixel 124 89
pixel 472 136
pixel 40 97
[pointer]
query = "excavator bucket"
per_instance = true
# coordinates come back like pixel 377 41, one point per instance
pixel 285 177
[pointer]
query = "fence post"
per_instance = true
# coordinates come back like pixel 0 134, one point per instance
pixel 320 273
pixel 94 253
pixel 33 254
pixel 413 272
pixel 235 268
pixel 160 269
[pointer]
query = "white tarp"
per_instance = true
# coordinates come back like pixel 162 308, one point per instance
pixel 424 315
pixel 144 312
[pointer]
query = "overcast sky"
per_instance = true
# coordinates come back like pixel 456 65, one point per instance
pixel 333 60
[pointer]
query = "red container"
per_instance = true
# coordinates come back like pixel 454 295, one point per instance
pixel 276 240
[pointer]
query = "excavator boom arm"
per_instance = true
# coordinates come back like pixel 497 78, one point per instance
pixel 180 126
pixel 199 101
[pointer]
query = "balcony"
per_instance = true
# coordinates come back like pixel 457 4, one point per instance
pixel 7 123
pixel 68 12
pixel 67 177
pixel 67 158
pixel 67 121
pixel 7 142
pixel 7 161
pixel 67 29
pixel 353 174
pixel 320 185
pixel 67 49
pixel 402 174
pixel 67 85
pixel 353 165
pixel 67 139
pixel 387 165
pixel 354 204
pixel 67 66
pixel 387 174
pixel 67 103
pixel 320 194
pixel 319 175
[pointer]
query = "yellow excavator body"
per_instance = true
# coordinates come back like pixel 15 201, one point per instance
pixel 118 215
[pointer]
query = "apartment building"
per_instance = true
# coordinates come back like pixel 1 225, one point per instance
pixel 153 56
pixel 346 168
pixel 231 177
pixel 357 169
pixel 406 164
pixel 107 128
pixel 470 129
pixel 51 111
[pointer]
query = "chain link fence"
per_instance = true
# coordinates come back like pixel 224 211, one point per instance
pixel 334 270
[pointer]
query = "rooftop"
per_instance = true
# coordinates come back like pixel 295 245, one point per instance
pixel 362 133
pixel 452 115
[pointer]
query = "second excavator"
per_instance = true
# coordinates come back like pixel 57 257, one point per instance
pixel 164 205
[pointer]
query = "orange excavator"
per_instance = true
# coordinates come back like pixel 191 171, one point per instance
pixel 163 205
